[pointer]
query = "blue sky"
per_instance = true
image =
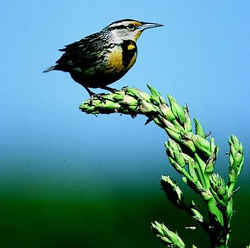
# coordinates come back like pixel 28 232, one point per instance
pixel 201 57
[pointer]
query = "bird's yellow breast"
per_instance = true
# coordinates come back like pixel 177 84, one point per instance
pixel 122 58
pixel 115 63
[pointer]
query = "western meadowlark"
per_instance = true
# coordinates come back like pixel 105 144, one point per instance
pixel 103 57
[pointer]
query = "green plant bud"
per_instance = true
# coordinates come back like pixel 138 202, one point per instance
pixel 169 150
pixel 162 100
pixel 159 122
pixel 231 161
pixel 197 215
pixel 153 91
pixel 177 110
pixel 199 129
pixel 155 100
pixel 132 108
pixel 232 176
pixel 187 124
pixel 189 182
pixel 173 127
pixel 169 124
pixel 196 186
pixel 178 126
pixel 176 165
pixel 146 107
pixel 233 150
pixel 202 145
pixel 175 146
pixel 236 159
pixel 189 144
pixel 129 100
pixel 159 228
pixel 155 97
pixel 222 191
pixel 206 195
pixel 200 162
pixel 166 111
pixel 212 145
pixel 194 205
pixel 118 96
pixel 180 159
pixel 186 157
pixel 214 179
pixel 164 108
pixel 109 105
pixel 86 108
pixel 145 96
pixel 165 240
pixel 167 236
pixel 184 179
pixel 211 162
pixel 176 240
pixel 209 168
pixel 172 190
pixel 213 209
pixel 169 115
pixel 192 171
pixel 233 140
pixel 240 148
pixel 133 92
pixel 174 135
pixel 176 153
pixel 218 185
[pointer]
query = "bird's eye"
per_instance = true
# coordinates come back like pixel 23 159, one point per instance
pixel 131 27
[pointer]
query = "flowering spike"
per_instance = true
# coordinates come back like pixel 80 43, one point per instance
pixel 184 148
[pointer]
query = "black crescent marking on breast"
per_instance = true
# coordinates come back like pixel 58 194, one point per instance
pixel 128 51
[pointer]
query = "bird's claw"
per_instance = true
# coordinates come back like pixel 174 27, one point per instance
pixel 98 97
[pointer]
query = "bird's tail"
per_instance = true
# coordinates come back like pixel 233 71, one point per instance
pixel 50 68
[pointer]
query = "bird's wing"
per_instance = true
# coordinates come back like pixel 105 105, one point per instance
pixel 84 53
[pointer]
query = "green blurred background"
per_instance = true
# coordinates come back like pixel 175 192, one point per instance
pixel 44 216
pixel 68 179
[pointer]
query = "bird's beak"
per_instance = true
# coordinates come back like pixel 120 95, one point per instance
pixel 147 25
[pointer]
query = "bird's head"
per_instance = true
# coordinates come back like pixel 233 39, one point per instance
pixel 128 29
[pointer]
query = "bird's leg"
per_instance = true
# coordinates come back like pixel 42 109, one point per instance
pixel 124 87
pixel 92 95
pixel 109 89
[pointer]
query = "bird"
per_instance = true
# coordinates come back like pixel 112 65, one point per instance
pixel 102 58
